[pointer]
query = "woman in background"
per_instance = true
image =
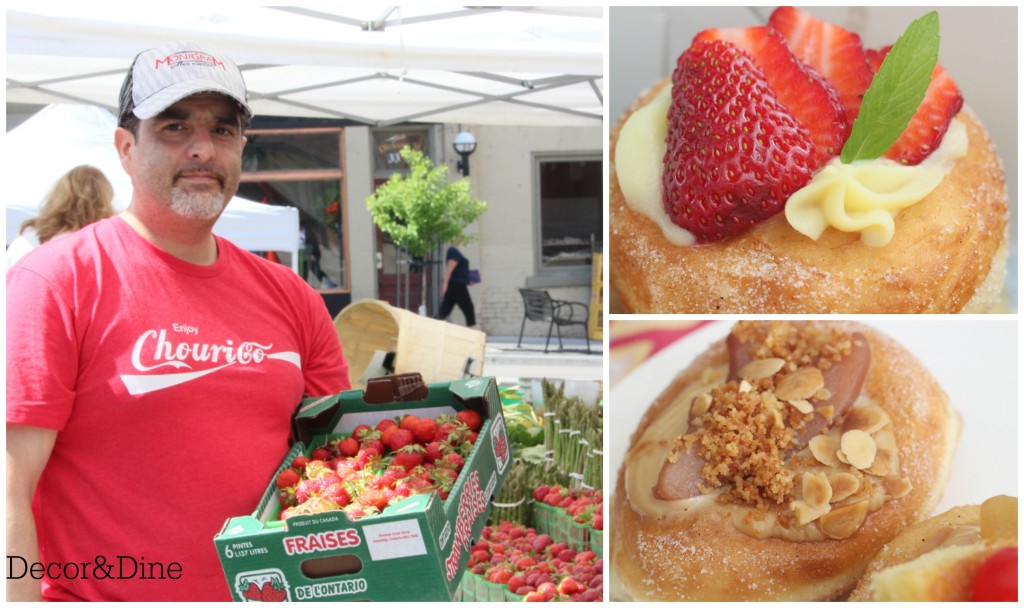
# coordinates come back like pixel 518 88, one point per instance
pixel 455 288
pixel 80 197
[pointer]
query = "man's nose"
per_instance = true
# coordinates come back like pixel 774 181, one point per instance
pixel 201 145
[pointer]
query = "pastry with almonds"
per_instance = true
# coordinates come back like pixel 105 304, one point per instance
pixel 784 168
pixel 777 464
pixel 965 554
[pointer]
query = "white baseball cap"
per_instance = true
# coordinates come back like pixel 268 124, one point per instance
pixel 163 76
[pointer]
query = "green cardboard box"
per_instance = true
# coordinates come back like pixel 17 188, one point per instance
pixel 415 550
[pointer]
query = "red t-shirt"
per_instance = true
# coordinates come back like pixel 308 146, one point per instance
pixel 171 386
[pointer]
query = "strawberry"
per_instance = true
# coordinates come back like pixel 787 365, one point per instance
pixel 299 463
pixel 435 451
pixel 287 478
pixel 408 422
pixel 942 101
pixel 425 430
pixel 336 493
pixel 811 100
pixel 834 52
pixel 373 498
pixel 360 431
pixel 272 594
pixel 253 593
pixel 409 457
pixel 386 433
pixel 348 447
pixel 445 430
pixel 321 453
pixel 385 424
pixel 470 418
pixel 400 439
pixel 734 153
pixel 453 461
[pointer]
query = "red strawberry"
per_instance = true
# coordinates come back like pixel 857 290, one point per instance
pixel 425 430
pixel 373 498
pixel 409 457
pixel 836 53
pixel 360 431
pixel 802 91
pixel 348 447
pixel 400 439
pixel 409 422
pixel 942 101
pixel 272 594
pixel 321 453
pixel 299 463
pixel 287 478
pixel 336 493
pixel 385 434
pixel 253 593
pixel 434 451
pixel 445 430
pixel 454 461
pixel 470 418
pixel 384 424
pixel 734 153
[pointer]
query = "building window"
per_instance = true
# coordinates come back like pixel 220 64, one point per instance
pixel 570 211
pixel 302 168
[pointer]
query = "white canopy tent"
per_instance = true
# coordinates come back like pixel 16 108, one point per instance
pixel 377 66
pixel 63 136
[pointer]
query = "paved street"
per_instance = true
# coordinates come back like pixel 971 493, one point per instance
pixel 504 360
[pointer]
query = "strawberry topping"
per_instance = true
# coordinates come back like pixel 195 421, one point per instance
pixel 834 52
pixel 801 90
pixel 734 153
pixel 926 129
pixel 756 111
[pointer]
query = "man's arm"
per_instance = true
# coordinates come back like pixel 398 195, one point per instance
pixel 28 450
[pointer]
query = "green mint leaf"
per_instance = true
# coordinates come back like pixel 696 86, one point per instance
pixel 896 91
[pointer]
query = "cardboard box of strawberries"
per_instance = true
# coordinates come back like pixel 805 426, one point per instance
pixel 379 499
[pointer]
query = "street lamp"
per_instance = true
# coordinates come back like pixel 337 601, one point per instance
pixel 464 144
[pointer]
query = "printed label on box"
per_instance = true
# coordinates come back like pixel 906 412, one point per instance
pixel 269 585
pixel 394 540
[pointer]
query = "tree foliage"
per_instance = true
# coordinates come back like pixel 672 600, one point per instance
pixel 422 209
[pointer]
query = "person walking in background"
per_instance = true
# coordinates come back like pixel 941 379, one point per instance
pixel 152 366
pixel 455 289
pixel 80 197
pixel 311 247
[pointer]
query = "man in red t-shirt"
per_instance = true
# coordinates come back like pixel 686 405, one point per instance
pixel 152 367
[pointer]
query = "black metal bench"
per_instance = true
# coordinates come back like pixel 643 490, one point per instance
pixel 540 306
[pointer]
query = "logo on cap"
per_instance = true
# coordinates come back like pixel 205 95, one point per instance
pixel 189 58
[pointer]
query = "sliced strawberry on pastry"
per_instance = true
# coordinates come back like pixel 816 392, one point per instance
pixel 804 92
pixel 734 152
pixel 924 133
pixel 836 53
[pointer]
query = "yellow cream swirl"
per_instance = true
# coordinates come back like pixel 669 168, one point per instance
pixel 865 196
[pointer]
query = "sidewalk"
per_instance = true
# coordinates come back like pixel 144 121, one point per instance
pixel 503 359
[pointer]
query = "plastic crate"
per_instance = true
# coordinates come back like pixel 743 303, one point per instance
pixel 597 542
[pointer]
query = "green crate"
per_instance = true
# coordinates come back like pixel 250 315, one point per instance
pixel 577 535
pixel 597 542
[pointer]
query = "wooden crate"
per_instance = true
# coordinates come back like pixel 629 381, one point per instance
pixel 438 350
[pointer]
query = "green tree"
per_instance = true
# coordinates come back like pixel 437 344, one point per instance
pixel 422 209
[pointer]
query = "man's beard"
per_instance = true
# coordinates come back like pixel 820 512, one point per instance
pixel 204 205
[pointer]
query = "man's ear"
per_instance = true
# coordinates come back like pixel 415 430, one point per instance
pixel 124 141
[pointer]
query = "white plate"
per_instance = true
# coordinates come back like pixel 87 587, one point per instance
pixel 975 361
